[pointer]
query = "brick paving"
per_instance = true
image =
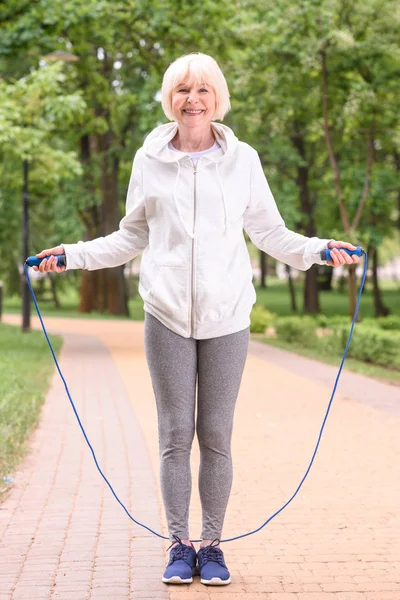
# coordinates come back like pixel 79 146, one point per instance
pixel 64 536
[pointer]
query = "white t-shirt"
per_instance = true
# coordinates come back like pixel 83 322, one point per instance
pixel 196 155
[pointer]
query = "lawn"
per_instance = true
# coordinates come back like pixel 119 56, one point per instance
pixel 275 298
pixel 26 367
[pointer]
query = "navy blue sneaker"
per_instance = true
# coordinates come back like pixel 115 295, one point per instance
pixel 182 563
pixel 212 567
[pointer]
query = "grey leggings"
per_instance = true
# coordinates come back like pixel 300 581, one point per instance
pixel 174 362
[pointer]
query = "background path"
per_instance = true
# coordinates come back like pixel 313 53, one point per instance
pixel 63 534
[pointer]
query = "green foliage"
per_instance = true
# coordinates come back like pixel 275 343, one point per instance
pixel 390 323
pixel 299 330
pixel 32 109
pixel 371 342
pixel 374 345
pixel 270 53
pixel 278 109
pixel 260 319
pixel 331 321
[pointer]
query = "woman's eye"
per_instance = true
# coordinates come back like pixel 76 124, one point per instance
pixel 186 90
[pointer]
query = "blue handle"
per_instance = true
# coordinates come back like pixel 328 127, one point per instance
pixel 326 254
pixel 33 261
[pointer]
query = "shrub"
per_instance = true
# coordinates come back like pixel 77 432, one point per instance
pixel 298 330
pixel 260 319
pixel 374 345
pixel 321 320
pixel 391 322
pixel 331 321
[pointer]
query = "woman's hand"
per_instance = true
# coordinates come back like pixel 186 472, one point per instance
pixel 51 263
pixel 340 258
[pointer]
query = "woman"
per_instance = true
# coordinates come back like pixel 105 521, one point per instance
pixel 194 187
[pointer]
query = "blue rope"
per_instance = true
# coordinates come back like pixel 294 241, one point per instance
pixel 313 456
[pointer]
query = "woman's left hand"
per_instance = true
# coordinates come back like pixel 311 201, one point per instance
pixel 340 258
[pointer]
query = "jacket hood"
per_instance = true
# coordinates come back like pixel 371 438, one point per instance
pixel 156 143
pixel 156 147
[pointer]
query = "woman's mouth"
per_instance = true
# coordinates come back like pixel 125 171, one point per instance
pixel 192 112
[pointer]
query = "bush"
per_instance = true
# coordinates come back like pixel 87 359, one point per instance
pixel 374 341
pixel 374 345
pixel 298 330
pixel 321 320
pixel 391 323
pixel 331 321
pixel 260 319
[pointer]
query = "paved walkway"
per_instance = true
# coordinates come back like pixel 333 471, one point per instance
pixel 64 536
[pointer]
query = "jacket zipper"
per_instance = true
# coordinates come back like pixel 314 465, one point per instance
pixel 191 333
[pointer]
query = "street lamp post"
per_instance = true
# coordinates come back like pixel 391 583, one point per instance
pixel 26 304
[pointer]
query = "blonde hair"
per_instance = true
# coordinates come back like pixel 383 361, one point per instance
pixel 199 68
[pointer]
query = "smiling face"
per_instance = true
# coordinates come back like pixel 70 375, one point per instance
pixel 193 103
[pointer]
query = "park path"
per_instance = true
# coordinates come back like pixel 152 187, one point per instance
pixel 64 536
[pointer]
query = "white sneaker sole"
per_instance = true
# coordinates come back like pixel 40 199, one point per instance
pixel 176 579
pixel 215 581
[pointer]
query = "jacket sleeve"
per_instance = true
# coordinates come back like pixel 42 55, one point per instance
pixel 268 232
pixel 122 245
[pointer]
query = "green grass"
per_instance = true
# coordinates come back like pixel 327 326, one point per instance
pixel 275 298
pixel 25 369
pixel 389 376
pixel 69 307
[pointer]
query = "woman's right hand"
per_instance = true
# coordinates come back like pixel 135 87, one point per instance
pixel 51 263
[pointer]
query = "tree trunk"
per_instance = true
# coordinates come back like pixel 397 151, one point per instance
pixel 91 298
pixel 293 305
pixel 104 289
pixel 54 290
pixel 114 281
pixel 325 278
pixel 263 269
pixel 311 297
pixel 352 290
pixel 380 309
pixel 311 303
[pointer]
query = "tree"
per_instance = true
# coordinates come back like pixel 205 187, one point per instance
pixel 322 77
pixel 124 48
pixel 34 110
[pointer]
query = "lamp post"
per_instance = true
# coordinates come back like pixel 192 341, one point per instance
pixel 26 304
pixel 26 297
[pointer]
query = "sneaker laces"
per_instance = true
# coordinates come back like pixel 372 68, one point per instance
pixel 181 551
pixel 212 553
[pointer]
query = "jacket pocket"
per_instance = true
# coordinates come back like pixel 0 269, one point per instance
pixel 214 294
pixel 169 291
pixel 149 273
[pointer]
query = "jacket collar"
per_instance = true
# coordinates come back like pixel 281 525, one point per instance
pixel 156 143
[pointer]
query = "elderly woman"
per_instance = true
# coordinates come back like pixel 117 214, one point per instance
pixel 194 188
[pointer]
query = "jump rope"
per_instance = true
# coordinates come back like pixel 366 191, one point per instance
pixel 325 255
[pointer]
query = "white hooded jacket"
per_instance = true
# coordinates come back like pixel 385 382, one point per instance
pixel 196 275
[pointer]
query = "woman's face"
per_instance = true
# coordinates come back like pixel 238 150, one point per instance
pixel 193 104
